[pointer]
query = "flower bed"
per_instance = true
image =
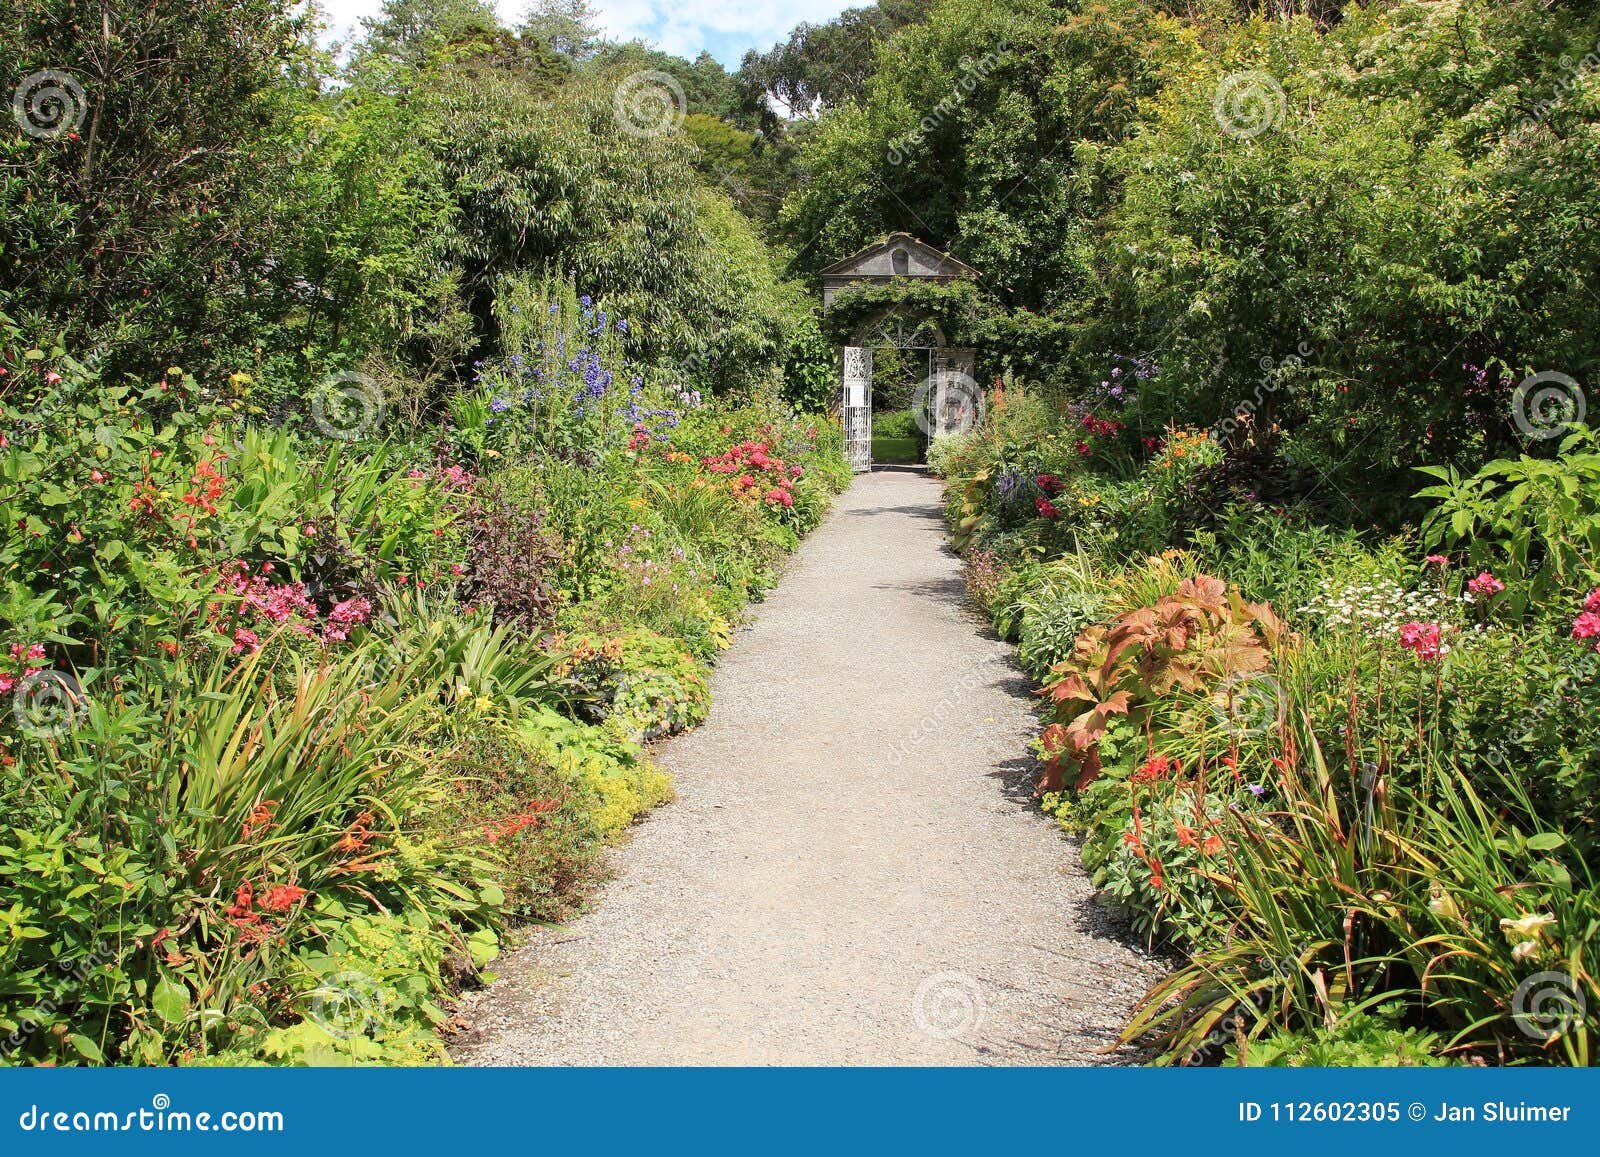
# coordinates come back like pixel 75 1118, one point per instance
pixel 300 723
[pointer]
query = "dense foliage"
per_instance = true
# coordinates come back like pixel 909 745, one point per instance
pixel 1390 198
pixel 1286 495
pixel 386 452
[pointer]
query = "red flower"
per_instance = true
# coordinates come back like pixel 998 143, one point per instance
pixel 1082 447
pixel 1045 508
pixel 282 897
pixel 1156 767
pixel 1049 483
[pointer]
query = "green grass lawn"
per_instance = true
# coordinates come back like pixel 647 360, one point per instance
pixel 896 450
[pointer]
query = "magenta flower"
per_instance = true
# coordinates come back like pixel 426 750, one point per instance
pixel 1422 639
pixel 1485 584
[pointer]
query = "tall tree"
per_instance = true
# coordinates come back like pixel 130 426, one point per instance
pixel 133 198
pixel 567 26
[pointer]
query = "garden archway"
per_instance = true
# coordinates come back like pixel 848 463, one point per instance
pixel 947 398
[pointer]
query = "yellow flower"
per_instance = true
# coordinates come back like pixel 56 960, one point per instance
pixel 1526 926
pixel 1442 904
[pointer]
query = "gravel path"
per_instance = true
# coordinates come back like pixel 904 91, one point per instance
pixel 851 873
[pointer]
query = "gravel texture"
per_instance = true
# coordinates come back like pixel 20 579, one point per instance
pixel 851 873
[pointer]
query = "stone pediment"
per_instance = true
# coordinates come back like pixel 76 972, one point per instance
pixel 897 255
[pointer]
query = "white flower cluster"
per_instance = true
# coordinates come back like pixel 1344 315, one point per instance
pixel 1377 608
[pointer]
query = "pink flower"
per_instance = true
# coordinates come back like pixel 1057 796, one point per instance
pixel 245 639
pixel 357 610
pixel 1436 560
pixel 1592 603
pixel 1422 638
pixel 1587 626
pixel 1485 584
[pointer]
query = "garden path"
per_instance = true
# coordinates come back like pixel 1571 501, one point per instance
pixel 851 873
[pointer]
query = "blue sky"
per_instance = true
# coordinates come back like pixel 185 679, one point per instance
pixel 725 28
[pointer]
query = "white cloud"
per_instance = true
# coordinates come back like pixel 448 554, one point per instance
pixel 725 28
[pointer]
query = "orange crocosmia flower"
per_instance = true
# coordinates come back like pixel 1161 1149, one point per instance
pixel 1212 846
pixel 259 819
pixel 282 897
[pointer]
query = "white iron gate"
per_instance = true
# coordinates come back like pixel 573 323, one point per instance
pixel 855 406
